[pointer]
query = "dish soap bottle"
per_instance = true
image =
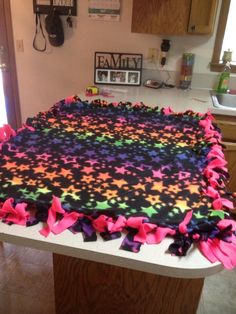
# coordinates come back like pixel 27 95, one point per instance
pixel 223 84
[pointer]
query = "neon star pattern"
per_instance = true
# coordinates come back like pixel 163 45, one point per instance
pixel 116 161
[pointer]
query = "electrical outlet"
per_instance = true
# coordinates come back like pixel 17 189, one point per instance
pixel 19 45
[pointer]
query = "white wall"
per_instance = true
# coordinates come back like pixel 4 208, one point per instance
pixel 44 78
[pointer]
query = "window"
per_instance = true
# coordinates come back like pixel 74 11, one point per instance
pixel 225 36
pixel 229 41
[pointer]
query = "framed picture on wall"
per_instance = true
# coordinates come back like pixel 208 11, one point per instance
pixel 118 68
pixel 102 76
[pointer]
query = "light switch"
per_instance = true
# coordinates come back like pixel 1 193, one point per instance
pixel 153 55
pixel 19 45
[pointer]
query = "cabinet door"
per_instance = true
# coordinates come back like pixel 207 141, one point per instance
pixel 227 124
pixel 166 17
pixel 230 156
pixel 202 16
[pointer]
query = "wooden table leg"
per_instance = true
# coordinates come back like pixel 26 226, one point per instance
pixel 84 287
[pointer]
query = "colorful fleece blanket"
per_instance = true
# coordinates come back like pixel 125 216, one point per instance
pixel 121 167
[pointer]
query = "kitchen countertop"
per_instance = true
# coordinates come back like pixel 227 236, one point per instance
pixel 179 100
pixel 151 258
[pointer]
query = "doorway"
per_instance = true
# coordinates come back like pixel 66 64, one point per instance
pixel 3 113
pixel 9 97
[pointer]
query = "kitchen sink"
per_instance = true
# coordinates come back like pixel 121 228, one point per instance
pixel 227 101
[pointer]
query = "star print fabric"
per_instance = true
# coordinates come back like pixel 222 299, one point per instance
pixel 99 167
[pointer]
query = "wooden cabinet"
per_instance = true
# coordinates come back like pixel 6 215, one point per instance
pixel 202 16
pixel 160 16
pixel 227 124
pixel 173 17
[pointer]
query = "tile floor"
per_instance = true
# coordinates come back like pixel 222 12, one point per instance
pixel 26 285
pixel 26 281
pixel 219 294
